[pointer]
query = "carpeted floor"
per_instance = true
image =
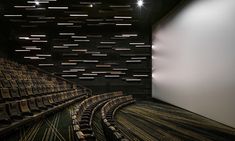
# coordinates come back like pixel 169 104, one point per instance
pixel 56 127
pixel 97 126
pixel 151 121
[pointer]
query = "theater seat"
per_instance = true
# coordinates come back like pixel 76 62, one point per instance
pixel 32 105
pixel 14 110
pixel 46 101
pixel 40 104
pixel 25 108
pixel 29 91
pixel 4 117
pixel 5 93
pixel 5 83
pixel 22 92
pixel 14 93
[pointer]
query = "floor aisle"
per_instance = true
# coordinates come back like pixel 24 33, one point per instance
pixel 152 121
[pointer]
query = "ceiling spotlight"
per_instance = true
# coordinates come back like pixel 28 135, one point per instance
pixel 91 5
pixel 140 3
pixel 37 2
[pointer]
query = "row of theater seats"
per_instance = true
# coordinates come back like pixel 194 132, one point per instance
pixel 111 131
pixel 83 114
pixel 27 94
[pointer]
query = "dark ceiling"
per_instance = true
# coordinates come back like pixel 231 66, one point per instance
pixel 83 40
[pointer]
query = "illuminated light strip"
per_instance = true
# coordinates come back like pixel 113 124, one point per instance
pixel 138 58
pixel 24 38
pixel 112 76
pixel 58 8
pixel 122 17
pixel 136 43
pixel 133 61
pixel 33 58
pixel 122 49
pixel 71 45
pixel 69 75
pixel 90 61
pixel 46 18
pixel 66 33
pixel 33 2
pixel 75 60
pixel 81 40
pixel 38 35
pixel 43 55
pixel 103 66
pixel 77 70
pixel 45 65
pixel 132 80
pixel 69 64
pixel 108 42
pixel 21 50
pixel 143 46
pixel 65 23
pixel 12 15
pixel 123 24
pixel 60 47
pixel 99 72
pixel 129 35
pixel 34 9
pixel 116 72
pixel 39 41
pixel 79 50
pixel 141 75
pixel 83 37
pixel 100 55
pixel 25 6
pixel 31 48
pixel 89 74
pixel 78 15
pixel 86 78
pixel 120 69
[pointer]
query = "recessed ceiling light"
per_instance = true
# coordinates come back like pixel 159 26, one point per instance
pixel 91 5
pixel 37 2
pixel 140 3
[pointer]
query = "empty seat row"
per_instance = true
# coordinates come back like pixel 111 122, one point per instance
pixel 9 112
pixel 108 121
pixel 83 114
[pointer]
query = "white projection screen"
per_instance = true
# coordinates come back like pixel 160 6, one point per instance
pixel 194 59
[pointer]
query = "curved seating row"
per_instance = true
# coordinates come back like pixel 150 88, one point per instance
pixel 83 114
pixel 15 113
pixel 27 94
pixel 108 122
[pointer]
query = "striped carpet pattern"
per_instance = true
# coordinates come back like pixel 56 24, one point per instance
pixel 97 126
pixel 151 121
pixel 56 127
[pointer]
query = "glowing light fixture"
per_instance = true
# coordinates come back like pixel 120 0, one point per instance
pixel 37 2
pixel 140 3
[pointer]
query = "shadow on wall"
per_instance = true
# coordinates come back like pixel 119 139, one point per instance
pixel 193 60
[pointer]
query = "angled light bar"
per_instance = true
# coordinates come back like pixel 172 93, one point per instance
pixel 45 65
pixel 12 15
pixel 43 55
pixel 22 50
pixel 58 8
pixel 122 17
pixel 78 15
pixel 136 43
pixel 108 42
pixel 38 35
pixel 68 64
pixel 65 23
pixel 133 61
pixel 83 37
pixel 67 34
pixel 86 78
pixel 25 6
pixel 68 76
pixel 123 24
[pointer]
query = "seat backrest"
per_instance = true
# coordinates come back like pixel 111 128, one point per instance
pixel 24 106
pixel 14 92
pixel 5 93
